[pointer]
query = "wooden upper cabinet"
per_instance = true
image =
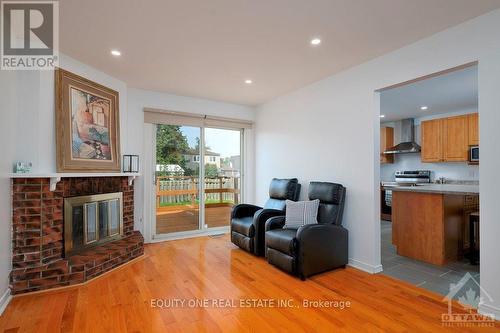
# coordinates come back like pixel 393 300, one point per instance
pixel 456 139
pixel 386 141
pixel 432 140
pixel 448 139
pixel 473 120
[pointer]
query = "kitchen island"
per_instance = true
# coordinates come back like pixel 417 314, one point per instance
pixel 456 189
pixel 429 220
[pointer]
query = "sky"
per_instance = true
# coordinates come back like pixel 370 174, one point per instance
pixel 222 141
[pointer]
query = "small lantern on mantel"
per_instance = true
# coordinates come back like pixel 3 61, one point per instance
pixel 131 163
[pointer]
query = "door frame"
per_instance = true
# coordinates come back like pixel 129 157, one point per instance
pixel 150 188
pixel 377 174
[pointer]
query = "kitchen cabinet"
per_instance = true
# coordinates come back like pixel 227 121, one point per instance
pixel 473 123
pixel 456 139
pixel 432 147
pixel 386 141
pixel 448 139
pixel 428 226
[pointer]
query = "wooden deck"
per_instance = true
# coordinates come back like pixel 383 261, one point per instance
pixel 129 299
pixel 185 218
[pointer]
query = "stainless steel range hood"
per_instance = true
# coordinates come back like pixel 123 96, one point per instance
pixel 408 144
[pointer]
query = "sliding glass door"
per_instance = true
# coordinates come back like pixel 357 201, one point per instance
pixel 183 171
pixel 178 178
pixel 222 175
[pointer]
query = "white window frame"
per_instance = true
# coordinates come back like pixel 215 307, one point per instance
pixel 150 188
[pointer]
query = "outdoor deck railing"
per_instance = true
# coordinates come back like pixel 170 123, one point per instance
pixel 183 190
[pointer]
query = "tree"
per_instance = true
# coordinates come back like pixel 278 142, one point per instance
pixel 211 170
pixel 197 146
pixel 226 161
pixel 171 145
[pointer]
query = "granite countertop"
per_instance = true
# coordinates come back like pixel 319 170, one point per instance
pixel 438 188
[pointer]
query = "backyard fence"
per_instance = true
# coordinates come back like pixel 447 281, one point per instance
pixel 183 190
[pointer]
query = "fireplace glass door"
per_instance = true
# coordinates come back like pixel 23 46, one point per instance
pixel 91 220
pixel 114 217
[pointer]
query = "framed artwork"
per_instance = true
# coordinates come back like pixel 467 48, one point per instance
pixel 87 125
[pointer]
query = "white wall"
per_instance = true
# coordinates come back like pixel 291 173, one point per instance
pixel 451 171
pixel 138 100
pixel 329 130
pixel 8 104
pixel 35 129
pixel 28 132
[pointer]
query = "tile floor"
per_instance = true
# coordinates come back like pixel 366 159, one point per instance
pixel 434 278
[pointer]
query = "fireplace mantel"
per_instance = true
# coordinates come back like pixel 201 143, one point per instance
pixel 56 177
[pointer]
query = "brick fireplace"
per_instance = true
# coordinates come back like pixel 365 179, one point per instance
pixel 38 259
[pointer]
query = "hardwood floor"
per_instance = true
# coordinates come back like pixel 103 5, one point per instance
pixel 214 269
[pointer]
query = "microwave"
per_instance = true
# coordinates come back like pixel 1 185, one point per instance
pixel 474 154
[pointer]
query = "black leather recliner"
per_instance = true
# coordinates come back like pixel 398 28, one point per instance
pixel 248 221
pixel 312 248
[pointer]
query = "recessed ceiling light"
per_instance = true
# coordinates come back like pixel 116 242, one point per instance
pixel 382 116
pixel 116 53
pixel 424 107
pixel 248 81
pixel 315 41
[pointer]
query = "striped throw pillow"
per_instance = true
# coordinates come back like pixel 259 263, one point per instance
pixel 299 213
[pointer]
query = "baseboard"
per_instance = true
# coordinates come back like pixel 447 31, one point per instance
pixel 487 309
pixel 189 234
pixel 4 300
pixel 364 266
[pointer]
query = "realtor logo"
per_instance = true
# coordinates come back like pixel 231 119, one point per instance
pixel 29 35
pixel 469 294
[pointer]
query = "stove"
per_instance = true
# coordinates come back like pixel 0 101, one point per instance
pixel 406 178
pixel 412 177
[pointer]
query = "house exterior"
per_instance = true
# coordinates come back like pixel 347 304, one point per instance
pixel 193 159
pixel 231 167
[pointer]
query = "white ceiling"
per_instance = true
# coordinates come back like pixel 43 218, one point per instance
pixel 452 92
pixel 208 48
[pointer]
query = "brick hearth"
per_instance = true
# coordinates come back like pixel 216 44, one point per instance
pixel 38 260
